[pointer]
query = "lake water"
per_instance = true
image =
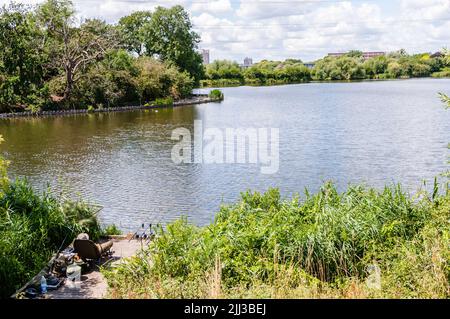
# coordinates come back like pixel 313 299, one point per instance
pixel 368 132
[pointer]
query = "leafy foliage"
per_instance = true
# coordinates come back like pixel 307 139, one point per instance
pixel 4 182
pixel 132 30
pixel 223 69
pixel 111 230
pixel 342 68
pixel 156 79
pixel 169 35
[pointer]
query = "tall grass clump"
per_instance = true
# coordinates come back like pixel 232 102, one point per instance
pixel 322 245
pixel 168 101
pixel 216 94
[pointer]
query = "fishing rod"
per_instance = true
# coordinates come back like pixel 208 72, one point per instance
pixel 135 233
pixel 151 235
pixel 144 235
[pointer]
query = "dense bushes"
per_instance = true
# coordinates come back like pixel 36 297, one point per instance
pixel 156 80
pixel 122 80
pixel 223 69
pixel 264 246
pixel 266 72
pixel 342 68
pixel 164 101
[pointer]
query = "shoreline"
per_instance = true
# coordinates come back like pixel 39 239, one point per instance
pixel 194 99
pixel 252 84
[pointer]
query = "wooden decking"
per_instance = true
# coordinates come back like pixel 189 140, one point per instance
pixel 93 285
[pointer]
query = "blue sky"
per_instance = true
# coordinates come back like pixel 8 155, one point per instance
pixel 304 29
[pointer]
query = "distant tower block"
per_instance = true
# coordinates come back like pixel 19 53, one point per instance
pixel 248 62
pixel 205 56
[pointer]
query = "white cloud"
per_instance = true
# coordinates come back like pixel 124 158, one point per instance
pixel 213 7
pixel 266 9
pixel 278 29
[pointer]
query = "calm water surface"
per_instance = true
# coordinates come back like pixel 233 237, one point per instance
pixel 369 132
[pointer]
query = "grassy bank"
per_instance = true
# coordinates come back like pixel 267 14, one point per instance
pixel 322 245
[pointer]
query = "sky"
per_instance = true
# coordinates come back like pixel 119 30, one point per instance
pixel 301 29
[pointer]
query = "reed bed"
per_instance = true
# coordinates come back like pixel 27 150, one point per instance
pixel 362 243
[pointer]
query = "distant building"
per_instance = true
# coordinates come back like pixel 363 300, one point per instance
pixel 205 56
pixel 366 55
pixel 248 62
pixel 369 55
pixel 437 55
pixel 309 65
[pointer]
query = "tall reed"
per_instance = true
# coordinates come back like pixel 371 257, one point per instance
pixel 323 243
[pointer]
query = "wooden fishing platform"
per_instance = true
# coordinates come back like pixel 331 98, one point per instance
pixel 93 285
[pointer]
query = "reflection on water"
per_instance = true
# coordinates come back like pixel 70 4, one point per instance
pixel 372 132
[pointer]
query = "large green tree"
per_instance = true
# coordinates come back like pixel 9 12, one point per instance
pixel 21 58
pixel 170 37
pixel 74 49
pixel 132 29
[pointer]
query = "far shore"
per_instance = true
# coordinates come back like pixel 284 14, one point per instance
pixel 194 99
pixel 228 82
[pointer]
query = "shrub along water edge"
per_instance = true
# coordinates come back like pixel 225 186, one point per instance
pixel 216 94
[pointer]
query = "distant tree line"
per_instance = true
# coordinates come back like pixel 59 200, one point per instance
pixel 49 60
pixel 265 72
pixel 350 66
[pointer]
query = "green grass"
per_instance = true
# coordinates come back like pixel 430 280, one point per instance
pixel 321 245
